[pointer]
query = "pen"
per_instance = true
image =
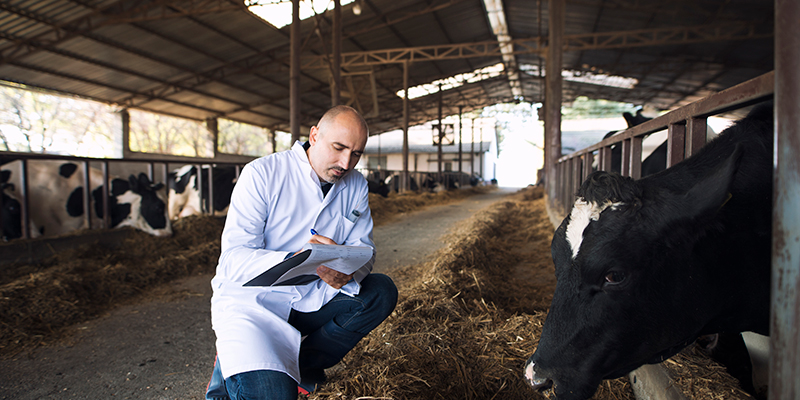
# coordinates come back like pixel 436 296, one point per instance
pixel 313 232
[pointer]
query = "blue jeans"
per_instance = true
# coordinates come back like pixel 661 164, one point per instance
pixel 329 333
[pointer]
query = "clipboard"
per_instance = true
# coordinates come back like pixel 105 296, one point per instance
pixel 301 268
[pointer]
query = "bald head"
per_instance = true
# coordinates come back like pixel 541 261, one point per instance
pixel 337 143
pixel 345 112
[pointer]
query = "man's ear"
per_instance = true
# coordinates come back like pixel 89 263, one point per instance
pixel 313 135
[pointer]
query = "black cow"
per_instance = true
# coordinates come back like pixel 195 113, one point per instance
pixel 378 187
pixel 656 161
pixel 184 193
pixel 645 267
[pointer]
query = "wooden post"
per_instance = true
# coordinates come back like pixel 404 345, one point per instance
pixel 552 98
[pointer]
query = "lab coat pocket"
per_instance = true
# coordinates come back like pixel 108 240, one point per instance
pixel 343 229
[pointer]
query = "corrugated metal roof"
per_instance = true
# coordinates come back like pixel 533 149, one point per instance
pixel 213 58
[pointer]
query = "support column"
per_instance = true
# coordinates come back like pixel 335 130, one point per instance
pixel 784 368
pixel 472 150
pixel 213 130
pixel 480 152
pixel 121 132
pixel 294 74
pixel 441 135
pixel 404 181
pixel 460 154
pixel 336 72
pixel 552 97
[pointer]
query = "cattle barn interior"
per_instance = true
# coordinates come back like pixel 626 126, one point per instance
pixel 215 59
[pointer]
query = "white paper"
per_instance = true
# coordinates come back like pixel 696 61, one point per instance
pixel 345 259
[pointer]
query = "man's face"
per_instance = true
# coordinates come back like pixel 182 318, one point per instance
pixel 336 147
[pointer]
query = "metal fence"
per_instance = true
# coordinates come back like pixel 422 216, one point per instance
pixel 686 134
pixel 149 166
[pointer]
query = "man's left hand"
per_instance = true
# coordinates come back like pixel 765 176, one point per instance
pixel 333 277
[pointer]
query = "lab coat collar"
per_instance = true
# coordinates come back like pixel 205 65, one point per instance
pixel 300 152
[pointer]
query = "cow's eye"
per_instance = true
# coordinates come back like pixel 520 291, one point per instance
pixel 614 277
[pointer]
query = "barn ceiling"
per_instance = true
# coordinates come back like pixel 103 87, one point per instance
pixel 200 59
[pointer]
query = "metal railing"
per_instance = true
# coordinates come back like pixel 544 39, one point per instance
pixel 105 165
pixel 686 134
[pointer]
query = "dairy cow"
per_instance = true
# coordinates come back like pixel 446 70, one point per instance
pixel 184 192
pixel 56 192
pixel 645 267
pixel 656 161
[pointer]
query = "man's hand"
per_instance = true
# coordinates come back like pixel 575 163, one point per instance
pixel 330 276
pixel 317 239
pixel 333 277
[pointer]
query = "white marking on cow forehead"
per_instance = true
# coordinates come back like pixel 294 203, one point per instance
pixel 584 212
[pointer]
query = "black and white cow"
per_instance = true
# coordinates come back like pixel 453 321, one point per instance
pixel 55 191
pixel 645 267
pixel 184 193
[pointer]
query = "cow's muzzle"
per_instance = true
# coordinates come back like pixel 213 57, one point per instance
pixel 537 380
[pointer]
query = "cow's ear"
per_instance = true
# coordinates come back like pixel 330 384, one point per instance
pixel 157 186
pixel 134 183
pixel 711 191
pixel 600 187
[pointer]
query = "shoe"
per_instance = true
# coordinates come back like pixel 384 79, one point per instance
pixel 307 388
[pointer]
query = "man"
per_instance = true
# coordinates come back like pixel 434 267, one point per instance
pixel 272 339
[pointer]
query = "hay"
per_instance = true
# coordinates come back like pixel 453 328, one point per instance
pixel 700 377
pixel 386 209
pixel 38 301
pixel 465 323
pixel 79 284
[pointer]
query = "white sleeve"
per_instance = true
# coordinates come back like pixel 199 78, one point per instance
pixel 243 254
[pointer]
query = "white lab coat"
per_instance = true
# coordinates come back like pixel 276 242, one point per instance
pixel 275 203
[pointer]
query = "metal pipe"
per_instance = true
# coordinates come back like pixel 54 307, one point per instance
pixel 552 121
pixel 784 369
pixel 404 181
pixel 336 71
pixel 294 74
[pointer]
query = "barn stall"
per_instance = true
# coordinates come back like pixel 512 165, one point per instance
pixel 36 59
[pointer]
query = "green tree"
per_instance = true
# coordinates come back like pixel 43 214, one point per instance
pixel 32 121
pixel 585 108
pixel 238 138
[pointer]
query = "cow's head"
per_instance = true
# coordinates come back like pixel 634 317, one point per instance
pixel 138 204
pixel 627 293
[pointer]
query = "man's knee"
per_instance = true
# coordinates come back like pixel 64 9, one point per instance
pixel 386 290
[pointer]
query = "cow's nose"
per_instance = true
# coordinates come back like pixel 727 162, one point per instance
pixel 536 379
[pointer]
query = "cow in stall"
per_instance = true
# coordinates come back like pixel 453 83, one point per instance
pixel 56 190
pixel 184 192
pixel 656 161
pixel 645 267
pixel 378 187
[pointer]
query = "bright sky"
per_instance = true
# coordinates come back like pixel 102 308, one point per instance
pixel 280 14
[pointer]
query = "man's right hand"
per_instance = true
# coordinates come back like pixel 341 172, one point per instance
pixel 318 239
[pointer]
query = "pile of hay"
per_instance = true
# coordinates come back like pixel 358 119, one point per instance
pixel 700 377
pixel 38 301
pixel 467 321
pixel 385 209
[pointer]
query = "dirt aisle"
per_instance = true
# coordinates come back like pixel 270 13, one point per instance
pixel 164 349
